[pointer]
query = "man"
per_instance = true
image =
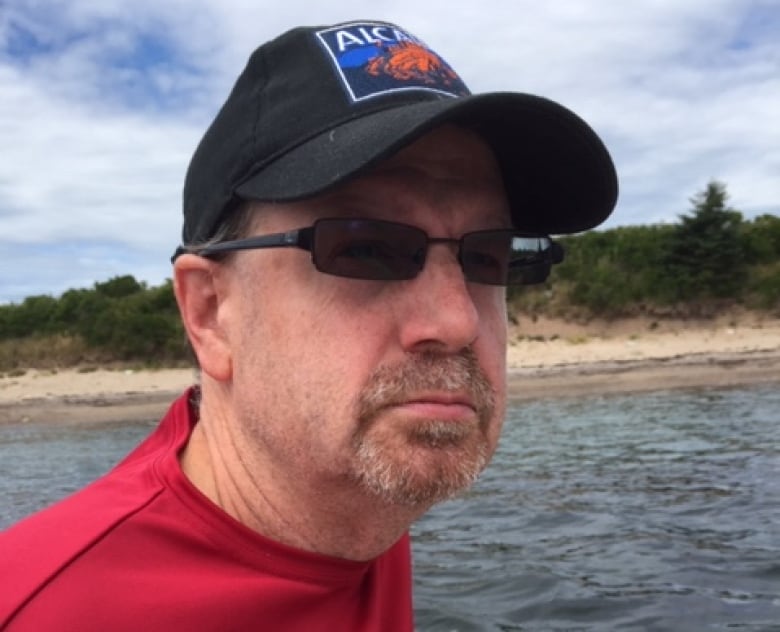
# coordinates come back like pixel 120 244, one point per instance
pixel 351 218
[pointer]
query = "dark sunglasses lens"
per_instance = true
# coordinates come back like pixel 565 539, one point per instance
pixel 368 249
pixel 484 256
pixel 504 258
pixel 529 260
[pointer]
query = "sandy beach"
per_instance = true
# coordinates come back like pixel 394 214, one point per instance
pixel 546 358
pixel 638 356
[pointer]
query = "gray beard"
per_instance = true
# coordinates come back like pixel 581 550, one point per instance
pixel 452 453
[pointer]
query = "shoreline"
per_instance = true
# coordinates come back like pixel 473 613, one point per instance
pixel 550 360
pixel 713 371
pixel 701 371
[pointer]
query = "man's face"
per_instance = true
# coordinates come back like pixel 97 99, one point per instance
pixel 395 389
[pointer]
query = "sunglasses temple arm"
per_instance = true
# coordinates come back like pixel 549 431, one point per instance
pixel 299 238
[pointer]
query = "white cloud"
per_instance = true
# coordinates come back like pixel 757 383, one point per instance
pixel 76 173
pixel 103 103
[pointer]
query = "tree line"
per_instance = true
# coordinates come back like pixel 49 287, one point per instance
pixel 121 320
pixel 711 258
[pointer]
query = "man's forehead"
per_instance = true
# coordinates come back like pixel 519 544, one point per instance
pixel 444 170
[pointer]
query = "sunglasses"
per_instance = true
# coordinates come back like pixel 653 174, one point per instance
pixel 389 251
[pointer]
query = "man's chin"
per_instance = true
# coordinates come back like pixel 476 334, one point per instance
pixel 433 465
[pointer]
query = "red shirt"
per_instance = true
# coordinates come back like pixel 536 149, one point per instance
pixel 142 549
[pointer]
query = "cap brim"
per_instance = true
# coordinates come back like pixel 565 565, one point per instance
pixel 558 175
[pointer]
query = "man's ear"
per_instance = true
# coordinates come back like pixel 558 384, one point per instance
pixel 200 294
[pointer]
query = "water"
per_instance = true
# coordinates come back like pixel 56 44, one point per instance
pixel 643 512
pixel 640 512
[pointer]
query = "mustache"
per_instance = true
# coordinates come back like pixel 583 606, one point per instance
pixel 390 385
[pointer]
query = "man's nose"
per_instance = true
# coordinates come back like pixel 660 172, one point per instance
pixel 438 311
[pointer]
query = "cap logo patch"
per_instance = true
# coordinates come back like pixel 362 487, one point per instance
pixel 373 59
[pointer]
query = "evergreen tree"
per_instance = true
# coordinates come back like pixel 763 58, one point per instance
pixel 705 258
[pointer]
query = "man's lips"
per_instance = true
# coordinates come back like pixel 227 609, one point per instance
pixel 443 406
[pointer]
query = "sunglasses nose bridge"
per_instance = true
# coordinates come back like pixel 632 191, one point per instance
pixel 451 241
pixel 453 245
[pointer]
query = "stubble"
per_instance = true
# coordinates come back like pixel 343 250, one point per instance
pixel 428 460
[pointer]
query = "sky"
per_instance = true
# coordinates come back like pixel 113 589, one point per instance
pixel 102 103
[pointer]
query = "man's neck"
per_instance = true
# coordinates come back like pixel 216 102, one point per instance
pixel 339 520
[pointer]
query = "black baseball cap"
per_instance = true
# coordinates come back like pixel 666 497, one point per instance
pixel 320 105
